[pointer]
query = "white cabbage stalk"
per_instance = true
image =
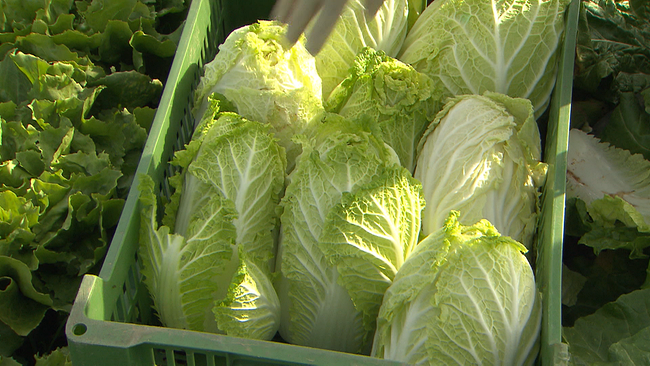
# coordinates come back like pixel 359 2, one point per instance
pixel 481 156
pixel 212 273
pixel 473 46
pixel 613 183
pixel 354 31
pixel 465 296
pixel 265 81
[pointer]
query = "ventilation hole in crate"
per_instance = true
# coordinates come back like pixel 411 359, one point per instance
pixel 197 359
pixel 221 360
pixel 160 357
pixel 180 357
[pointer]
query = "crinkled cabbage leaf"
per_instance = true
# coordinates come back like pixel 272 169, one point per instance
pixel 401 100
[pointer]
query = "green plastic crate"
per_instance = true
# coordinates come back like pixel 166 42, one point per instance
pixel 106 325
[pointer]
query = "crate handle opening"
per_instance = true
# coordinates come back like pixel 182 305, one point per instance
pixel 79 329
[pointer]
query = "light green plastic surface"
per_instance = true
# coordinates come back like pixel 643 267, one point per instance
pixel 105 324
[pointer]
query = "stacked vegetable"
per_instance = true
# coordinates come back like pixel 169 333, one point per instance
pixel 607 235
pixel 80 81
pixel 387 188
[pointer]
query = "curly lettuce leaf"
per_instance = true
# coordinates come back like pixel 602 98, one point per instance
pixel 23 306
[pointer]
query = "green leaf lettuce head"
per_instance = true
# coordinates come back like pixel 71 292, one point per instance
pixel 354 31
pixel 265 81
pixel 208 267
pixel 508 47
pixel 350 217
pixel 466 295
pixel 401 100
pixel 481 156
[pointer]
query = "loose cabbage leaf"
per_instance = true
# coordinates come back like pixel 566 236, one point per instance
pixel 613 183
pixel 509 47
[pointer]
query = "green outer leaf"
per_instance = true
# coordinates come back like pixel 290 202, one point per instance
pixel 23 307
pixel 128 89
pixel 146 43
pixel 612 44
pixel 602 337
pixel 100 12
pixel 629 126
pixel 10 341
pixel 369 235
pixel 508 47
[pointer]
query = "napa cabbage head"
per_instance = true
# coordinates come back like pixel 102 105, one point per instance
pixel 350 216
pixel 355 30
pixel 401 100
pixel 265 81
pixel 465 296
pixel 482 157
pixel 473 46
pixel 208 266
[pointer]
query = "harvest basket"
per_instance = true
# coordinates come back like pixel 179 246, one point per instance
pixel 111 322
